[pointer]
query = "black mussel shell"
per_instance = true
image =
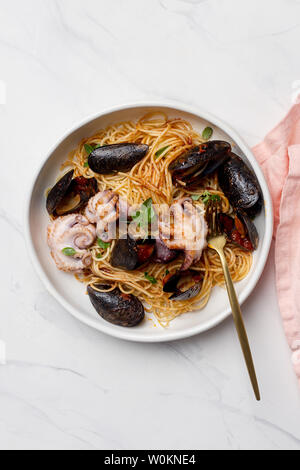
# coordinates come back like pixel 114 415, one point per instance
pixel 171 286
pixel 130 255
pixel 117 308
pixel 170 283
pixel 250 228
pixel 240 185
pixel 125 254
pixel 195 181
pixel 69 195
pixel 163 254
pixel 188 294
pixel 188 163
pixel 58 192
pixel 79 193
pixel 199 155
pixel 199 162
pixel 256 209
pixel 117 157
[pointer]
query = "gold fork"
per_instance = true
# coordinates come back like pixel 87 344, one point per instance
pixel 217 242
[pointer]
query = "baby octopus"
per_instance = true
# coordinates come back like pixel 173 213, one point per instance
pixel 185 230
pixel 69 238
pixel 104 210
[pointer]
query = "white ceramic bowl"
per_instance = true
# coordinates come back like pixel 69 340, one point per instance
pixel 71 294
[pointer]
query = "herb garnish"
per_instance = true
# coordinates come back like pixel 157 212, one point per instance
pixel 207 133
pixel 102 244
pixel 68 251
pixel 150 279
pixel 89 149
pixel 196 197
pixel 145 216
pixel 207 197
pixel 161 151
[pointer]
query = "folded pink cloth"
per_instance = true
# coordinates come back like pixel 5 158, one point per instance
pixel 279 156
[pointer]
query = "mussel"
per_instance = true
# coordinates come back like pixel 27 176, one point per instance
pixel 130 255
pixel 116 307
pixel 241 218
pixel 240 230
pixel 189 294
pixel 58 192
pixel 117 157
pixel 240 186
pixel 70 194
pixel 190 168
pixel 171 282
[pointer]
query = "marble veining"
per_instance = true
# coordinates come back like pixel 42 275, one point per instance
pixel 63 385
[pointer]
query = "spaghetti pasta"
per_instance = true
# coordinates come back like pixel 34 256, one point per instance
pixel 150 178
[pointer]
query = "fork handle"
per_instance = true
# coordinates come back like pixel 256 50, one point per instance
pixel 239 324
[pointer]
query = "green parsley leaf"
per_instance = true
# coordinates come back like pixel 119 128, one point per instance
pixel 98 256
pixel 207 196
pixel 196 197
pixel 150 279
pixel 161 151
pixel 69 251
pixel 145 216
pixel 102 244
pixel 207 133
pixel 89 149
pixel 167 272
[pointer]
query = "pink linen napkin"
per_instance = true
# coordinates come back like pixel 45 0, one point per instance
pixel 279 157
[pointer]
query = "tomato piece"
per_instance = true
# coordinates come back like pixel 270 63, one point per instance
pixel 243 242
pixel 227 223
pixel 240 227
pixel 145 252
pixel 247 245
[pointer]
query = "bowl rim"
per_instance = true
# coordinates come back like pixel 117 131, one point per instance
pixel 123 333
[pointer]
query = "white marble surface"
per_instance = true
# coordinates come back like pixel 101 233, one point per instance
pixel 65 386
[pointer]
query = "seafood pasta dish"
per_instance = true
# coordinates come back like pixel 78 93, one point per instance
pixel 130 216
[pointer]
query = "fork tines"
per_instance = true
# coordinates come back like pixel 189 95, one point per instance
pixel 213 209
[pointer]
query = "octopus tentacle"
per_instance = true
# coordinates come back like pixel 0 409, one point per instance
pixel 75 232
pixel 104 210
pixel 187 230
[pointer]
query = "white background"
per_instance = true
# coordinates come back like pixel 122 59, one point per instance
pixel 64 385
